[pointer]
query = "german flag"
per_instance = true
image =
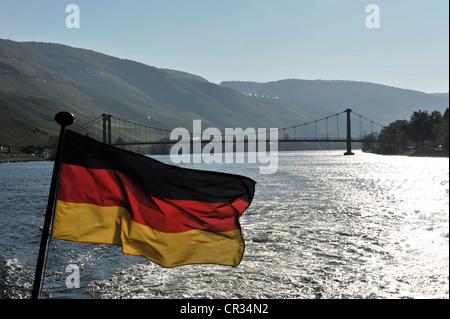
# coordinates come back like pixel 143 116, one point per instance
pixel 170 215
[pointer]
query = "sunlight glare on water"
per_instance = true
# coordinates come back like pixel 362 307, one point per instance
pixel 324 226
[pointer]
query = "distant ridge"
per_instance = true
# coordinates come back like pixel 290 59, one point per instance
pixel 377 101
pixel 186 75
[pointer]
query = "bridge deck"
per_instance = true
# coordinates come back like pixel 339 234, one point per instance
pixel 254 141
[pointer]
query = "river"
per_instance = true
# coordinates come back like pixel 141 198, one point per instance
pixel 324 226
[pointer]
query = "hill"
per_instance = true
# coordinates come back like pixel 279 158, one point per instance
pixel 39 79
pixel 378 102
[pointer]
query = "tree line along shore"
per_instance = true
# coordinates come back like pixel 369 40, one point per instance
pixel 425 134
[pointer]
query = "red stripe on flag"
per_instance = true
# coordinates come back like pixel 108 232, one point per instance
pixel 107 187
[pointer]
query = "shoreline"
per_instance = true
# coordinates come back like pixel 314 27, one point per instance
pixel 412 153
pixel 21 159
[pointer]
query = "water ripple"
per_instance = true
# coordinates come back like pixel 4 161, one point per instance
pixel 324 226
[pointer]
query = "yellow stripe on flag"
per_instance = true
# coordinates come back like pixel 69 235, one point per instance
pixel 112 225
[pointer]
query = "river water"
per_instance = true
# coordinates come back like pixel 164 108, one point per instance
pixel 324 226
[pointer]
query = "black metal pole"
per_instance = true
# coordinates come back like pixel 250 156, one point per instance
pixel 64 119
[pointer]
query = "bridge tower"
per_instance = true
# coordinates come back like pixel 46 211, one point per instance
pixel 349 134
pixel 106 128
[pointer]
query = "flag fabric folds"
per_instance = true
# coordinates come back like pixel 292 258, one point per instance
pixel 168 214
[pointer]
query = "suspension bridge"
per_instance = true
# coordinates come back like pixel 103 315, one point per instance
pixel 343 127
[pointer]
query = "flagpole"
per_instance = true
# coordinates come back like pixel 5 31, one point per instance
pixel 64 119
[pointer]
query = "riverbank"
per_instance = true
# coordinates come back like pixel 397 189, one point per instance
pixel 430 153
pixel 410 152
pixel 20 158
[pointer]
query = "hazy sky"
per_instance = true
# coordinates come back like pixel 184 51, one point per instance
pixel 254 40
